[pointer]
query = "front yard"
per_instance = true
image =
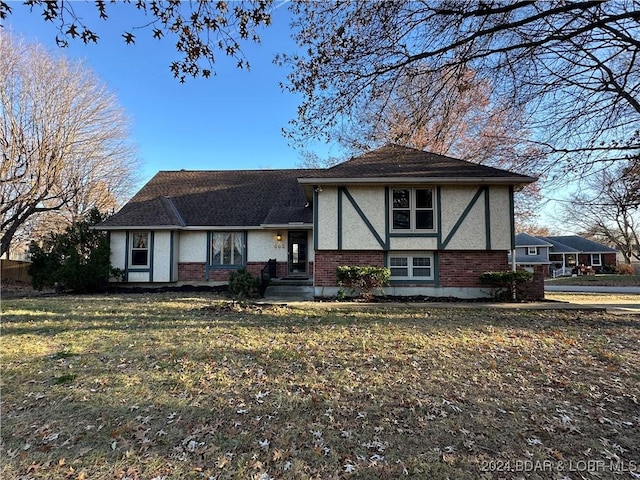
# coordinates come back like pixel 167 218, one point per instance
pixel 599 280
pixel 168 386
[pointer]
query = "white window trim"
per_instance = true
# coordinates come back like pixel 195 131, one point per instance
pixel 532 250
pixel 412 210
pixel 410 256
pixel 593 257
pixel 133 248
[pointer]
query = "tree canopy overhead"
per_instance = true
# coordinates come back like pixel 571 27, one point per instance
pixel 572 68
pixel 201 29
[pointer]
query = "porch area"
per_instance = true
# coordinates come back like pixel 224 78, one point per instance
pixel 289 289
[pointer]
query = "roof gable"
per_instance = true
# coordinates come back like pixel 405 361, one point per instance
pixel 581 244
pixel 224 198
pixel 254 198
pixel 526 240
pixel 395 163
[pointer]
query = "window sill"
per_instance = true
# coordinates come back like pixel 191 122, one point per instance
pixel 413 233
pixel 411 281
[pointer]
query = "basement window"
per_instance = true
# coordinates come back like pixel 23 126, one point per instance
pixel 411 266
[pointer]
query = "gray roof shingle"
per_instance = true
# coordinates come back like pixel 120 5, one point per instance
pixel 526 240
pixel 581 244
pixel 558 247
pixel 247 198
pixel 397 162
pixel 215 198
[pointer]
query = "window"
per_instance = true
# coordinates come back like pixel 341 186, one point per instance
pixel 596 260
pixel 227 248
pixel 139 256
pixel 412 209
pixel 532 250
pixel 411 266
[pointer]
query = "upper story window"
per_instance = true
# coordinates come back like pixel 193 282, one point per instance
pixel 412 209
pixel 228 249
pixel 532 250
pixel 139 254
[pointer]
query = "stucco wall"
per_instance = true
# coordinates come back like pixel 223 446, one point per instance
pixel 162 256
pixel 413 243
pixel 491 207
pixel 327 211
pixel 500 215
pixel 356 235
pixel 138 277
pixel 193 247
pixel 118 242
pixel 470 234
pixel 262 245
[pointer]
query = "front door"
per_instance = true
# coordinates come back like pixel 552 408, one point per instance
pixel 297 252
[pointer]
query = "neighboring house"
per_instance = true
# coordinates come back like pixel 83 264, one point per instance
pixel 531 252
pixel 565 255
pixel 581 252
pixel 438 223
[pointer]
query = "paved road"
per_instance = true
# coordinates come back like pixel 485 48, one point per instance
pixel 591 289
pixel 594 296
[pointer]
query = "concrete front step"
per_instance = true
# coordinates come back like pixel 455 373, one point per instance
pixel 298 282
pixel 289 292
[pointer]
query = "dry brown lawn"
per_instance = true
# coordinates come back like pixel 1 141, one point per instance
pixel 167 386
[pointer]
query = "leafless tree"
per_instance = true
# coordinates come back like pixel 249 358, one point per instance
pixel 472 126
pixel 607 209
pixel 572 67
pixel 64 143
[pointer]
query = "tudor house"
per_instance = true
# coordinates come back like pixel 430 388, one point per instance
pixel 437 222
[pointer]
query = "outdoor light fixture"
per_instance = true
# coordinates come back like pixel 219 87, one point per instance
pixel 279 236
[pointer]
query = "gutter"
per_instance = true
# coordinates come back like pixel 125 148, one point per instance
pixel 412 180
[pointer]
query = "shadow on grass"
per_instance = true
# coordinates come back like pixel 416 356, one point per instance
pixel 234 391
pixel 64 318
pixel 235 406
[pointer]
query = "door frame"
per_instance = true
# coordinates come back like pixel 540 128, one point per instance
pixel 298 234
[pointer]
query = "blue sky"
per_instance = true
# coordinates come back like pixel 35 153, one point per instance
pixel 230 121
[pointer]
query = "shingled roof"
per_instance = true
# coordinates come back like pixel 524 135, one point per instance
pixel 526 240
pixel 254 198
pixel 394 164
pixel 580 244
pixel 233 198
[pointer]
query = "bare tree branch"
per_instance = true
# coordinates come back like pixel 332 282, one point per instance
pixel 572 67
pixel 65 145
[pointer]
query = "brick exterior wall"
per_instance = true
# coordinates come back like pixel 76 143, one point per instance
pixel 191 272
pixel 195 272
pixel 326 262
pixel 220 275
pixel 608 259
pixel 282 268
pixel 535 289
pixel 462 268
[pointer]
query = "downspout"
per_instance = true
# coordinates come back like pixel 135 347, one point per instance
pixel 513 240
pixel 513 269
